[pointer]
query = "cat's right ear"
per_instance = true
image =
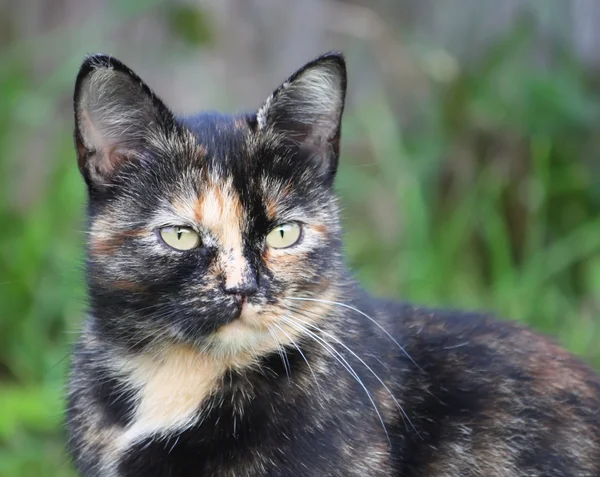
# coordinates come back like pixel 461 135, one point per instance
pixel 307 110
pixel 116 114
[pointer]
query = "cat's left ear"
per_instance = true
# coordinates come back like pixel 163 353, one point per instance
pixel 307 109
pixel 116 117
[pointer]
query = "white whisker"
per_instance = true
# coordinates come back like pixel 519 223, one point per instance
pixel 303 357
pixel 344 305
pixel 282 355
pixel 340 359
pixel 176 441
pixel 400 408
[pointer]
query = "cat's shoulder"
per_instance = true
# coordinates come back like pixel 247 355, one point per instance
pixel 445 324
pixel 485 343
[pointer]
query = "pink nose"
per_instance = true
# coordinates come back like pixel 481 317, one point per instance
pixel 246 288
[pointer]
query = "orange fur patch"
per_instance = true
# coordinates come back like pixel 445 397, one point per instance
pixel 201 152
pixel 320 228
pixel 271 208
pixel 220 210
pixel 128 286
pixel 108 244
pixel 198 208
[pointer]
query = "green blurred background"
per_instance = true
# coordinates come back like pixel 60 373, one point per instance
pixel 470 173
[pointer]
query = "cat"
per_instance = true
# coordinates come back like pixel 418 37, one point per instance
pixel 227 337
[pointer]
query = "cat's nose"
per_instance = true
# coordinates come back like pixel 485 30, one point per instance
pixel 240 277
pixel 244 289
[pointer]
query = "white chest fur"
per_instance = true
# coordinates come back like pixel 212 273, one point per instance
pixel 169 389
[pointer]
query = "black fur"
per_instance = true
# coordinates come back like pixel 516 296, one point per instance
pixel 362 387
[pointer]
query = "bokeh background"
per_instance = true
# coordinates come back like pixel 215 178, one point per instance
pixel 470 173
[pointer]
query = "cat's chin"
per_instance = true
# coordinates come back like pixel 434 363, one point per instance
pixel 251 332
pixel 239 338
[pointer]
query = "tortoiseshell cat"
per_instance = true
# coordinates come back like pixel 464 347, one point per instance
pixel 226 336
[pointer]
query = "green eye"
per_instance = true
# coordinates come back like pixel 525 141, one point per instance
pixel 180 238
pixel 283 236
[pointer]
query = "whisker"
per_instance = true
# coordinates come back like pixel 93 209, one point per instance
pixel 303 357
pixel 385 386
pixel 176 441
pixel 340 359
pixel 344 305
pixel 283 356
pixel 161 332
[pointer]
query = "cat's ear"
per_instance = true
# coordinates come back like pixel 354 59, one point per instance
pixel 116 114
pixel 308 107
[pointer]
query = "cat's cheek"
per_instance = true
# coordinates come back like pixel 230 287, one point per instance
pixel 259 316
pixel 106 240
pixel 129 286
pixel 291 267
pixel 299 268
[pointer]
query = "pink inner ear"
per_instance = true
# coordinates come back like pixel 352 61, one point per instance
pixel 81 150
pixel 98 152
pixel 108 161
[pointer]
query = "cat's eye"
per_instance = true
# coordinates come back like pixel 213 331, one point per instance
pixel 284 236
pixel 180 238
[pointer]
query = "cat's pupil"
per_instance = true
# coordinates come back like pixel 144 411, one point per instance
pixel 179 233
pixel 281 232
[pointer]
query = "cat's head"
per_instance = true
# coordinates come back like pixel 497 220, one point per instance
pixel 206 229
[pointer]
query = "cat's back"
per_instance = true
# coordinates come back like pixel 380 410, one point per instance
pixel 490 397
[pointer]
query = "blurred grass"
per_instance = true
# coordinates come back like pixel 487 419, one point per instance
pixel 487 201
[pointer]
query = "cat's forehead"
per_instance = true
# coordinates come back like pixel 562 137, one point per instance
pixel 224 143
pixel 215 168
pixel 228 154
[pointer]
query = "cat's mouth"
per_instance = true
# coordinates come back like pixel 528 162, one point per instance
pixel 241 307
pixel 249 314
pixel 248 331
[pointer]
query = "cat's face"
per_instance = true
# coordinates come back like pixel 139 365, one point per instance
pixel 203 230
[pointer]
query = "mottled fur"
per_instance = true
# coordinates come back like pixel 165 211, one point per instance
pixel 173 377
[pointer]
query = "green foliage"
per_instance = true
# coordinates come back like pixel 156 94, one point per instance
pixel 41 292
pixel 488 202
pixel 190 24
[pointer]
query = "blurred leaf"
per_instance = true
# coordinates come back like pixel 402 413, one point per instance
pixel 33 408
pixel 133 7
pixel 191 24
